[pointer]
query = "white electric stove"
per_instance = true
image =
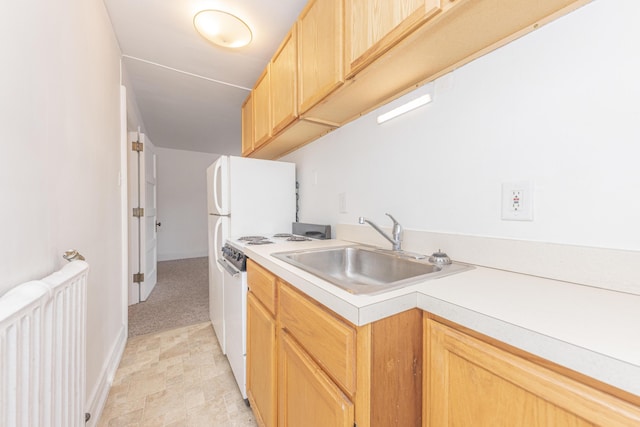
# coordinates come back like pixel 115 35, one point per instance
pixel 234 262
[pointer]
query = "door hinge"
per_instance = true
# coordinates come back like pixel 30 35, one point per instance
pixel 138 277
pixel 138 212
pixel 137 146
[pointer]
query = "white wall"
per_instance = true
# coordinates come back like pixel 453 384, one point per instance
pixel 182 203
pixel 60 156
pixel 558 107
pixel 134 117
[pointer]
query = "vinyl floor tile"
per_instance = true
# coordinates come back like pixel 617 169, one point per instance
pixel 175 378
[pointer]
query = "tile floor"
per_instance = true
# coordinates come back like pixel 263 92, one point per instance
pixel 177 378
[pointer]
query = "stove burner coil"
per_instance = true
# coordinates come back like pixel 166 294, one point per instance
pixel 259 242
pixel 298 239
pixel 252 238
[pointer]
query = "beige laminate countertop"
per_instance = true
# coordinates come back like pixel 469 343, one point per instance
pixel 590 330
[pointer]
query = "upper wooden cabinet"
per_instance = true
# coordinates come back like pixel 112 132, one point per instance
pixel 356 55
pixel 262 109
pixel 374 26
pixel 279 129
pixel 247 126
pixel 320 51
pixel 284 83
pixel 461 32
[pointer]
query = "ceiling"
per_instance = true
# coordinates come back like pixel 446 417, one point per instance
pixel 188 91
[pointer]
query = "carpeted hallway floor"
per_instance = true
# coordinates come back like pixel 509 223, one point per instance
pixel 180 298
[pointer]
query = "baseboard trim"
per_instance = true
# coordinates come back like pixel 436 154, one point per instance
pixel 182 255
pixel 98 396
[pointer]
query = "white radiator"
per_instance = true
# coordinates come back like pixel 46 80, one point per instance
pixel 42 350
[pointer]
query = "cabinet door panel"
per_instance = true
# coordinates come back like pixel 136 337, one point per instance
pixel 307 397
pixel 470 382
pixel 284 82
pixel 261 361
pixel 262 109
pixel 320 51
pixel 374 26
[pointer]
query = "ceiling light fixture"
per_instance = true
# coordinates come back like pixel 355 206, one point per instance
pixel 405 108
pixel 222 28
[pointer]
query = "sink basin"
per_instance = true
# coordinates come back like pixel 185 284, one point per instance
pixel 366 270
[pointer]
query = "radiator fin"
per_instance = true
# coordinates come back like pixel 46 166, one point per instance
pixel 42 350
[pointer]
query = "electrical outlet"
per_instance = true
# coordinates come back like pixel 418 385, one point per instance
pixel 517 201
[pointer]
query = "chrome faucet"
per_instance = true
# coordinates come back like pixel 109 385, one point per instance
pixel 396 240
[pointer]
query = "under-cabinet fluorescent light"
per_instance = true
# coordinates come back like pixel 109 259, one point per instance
pixel 405 108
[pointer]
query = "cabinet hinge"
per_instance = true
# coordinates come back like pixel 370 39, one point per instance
pixel 138 212
pixel 138 277
pixel 137 146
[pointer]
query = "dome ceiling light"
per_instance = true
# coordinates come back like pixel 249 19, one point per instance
pixel 222 28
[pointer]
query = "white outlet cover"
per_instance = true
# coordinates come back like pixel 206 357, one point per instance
pixel 517 201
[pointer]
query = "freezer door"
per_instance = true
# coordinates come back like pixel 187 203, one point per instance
pixel 218 233
pixel 263 196
pixel 218 186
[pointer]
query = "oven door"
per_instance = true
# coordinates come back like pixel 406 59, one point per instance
pixel 235 315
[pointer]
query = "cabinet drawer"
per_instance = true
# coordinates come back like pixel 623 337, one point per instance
pixel 329 340
pixel 262 284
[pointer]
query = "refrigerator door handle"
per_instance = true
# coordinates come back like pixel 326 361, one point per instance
pixel 216 172
pixel 216 249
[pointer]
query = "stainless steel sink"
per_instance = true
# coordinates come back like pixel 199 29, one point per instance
pixel 366 270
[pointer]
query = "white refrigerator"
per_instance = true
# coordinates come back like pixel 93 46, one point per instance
pixel 245 197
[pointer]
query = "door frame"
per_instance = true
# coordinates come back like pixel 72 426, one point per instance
pixel 123 182
pixel 133 261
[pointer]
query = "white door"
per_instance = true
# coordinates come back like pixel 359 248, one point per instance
pixel 142 225
pixel 149 221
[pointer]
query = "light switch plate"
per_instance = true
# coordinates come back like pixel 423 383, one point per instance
pixel 517 201
pixel 342 202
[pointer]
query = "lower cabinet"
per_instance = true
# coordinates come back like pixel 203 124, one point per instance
pixel 469 382
pixel 261 361
pixel 307 366
pixel 306 395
